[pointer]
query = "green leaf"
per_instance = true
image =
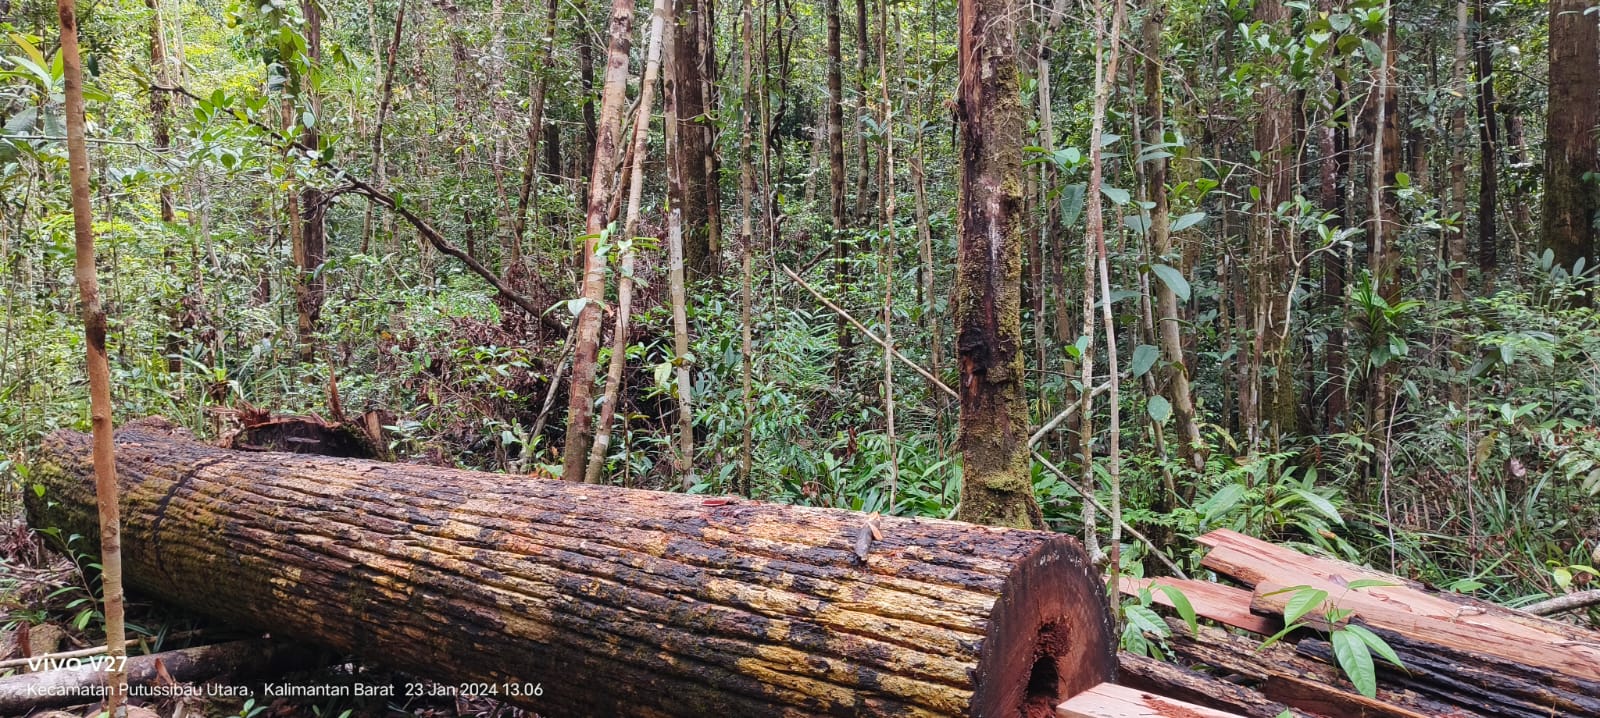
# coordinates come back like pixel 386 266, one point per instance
pixel 1302 602
pixel 1361 583
pixel 1144 619
pixel 1173 279
pixel 1144 357
pixel 1402 180
pixel 1117 196
pixel 1159 408
pixel 1071 204
pixel 1181 603
pixel 1186 221
pixel 1376 643
pixel 1321 504
pixel 1356 661
pixel 1222 502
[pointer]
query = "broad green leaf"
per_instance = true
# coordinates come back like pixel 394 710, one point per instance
pixel 1322 505
pixel 1376 643
pixel 1173 279
pixel 1117 196
pixel 1181 603
pixel 1356 661
pixel 1144 357
pixel 1071 204
pixel 1146 620
pixel 1302 602
pixel 1159 408
pixel 1222 502
pixel 1186 221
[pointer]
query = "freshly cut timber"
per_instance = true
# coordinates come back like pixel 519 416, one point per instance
pixel 578 600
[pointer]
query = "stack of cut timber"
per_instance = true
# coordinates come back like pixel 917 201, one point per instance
pixel 1462 657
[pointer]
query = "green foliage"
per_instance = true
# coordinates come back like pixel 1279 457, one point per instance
pixel 1353 644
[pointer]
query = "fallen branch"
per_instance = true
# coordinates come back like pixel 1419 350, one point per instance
pixel 48 657
pixel 868 333
pixel 1564 604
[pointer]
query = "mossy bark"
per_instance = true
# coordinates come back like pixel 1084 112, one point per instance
pixel 994 417
pixel 615 601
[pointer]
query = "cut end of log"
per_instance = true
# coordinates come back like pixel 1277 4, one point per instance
pixel 1049 636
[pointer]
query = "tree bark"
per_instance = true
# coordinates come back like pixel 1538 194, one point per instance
pixel 683 459
pixel 1455 246
pixel 997 486
pixel 1175 370
pixel 310 248
pixel 1488 149
pixel 1570 150
pixel 619 333
pixel 100 453
pixel 528 195
pixel 1269 396
pixel 664 604
pixel 687 102
pixel 580 404
pixel 836 180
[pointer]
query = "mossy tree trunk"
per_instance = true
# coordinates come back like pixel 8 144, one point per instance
pixel 994 416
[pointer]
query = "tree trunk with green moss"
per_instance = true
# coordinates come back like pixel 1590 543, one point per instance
pixel 994 415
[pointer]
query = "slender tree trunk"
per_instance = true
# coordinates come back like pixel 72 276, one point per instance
pixel 1383 254
pixel 619 333
pixel 380 160
pixel 580 404
pixel 1455 255
pixel 1097 230
pixel 1488 150
pixel 863 163
pixel 98 367
pixel 747 237
pixel 836 181
pixel 161 139
pixel 997 487
pixel 930 319
pixel 683 461
pixel 528 196
pixel 887 187
pixel 498 65
pixel 311 245
pixel 1175 371
pixel 1570 152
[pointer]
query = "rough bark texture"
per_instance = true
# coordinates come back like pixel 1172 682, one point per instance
pixel 1570 152
pixel 580 402
pixel 1269 395
pixel 994 413
pixel 1488 152
pixel 310 248
pixel 620 602
pixel 686 100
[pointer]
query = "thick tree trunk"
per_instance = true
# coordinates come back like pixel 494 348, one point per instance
pixel 615 601
pixel 580 404
pixel 688 104
pixel 97 484
pixel 997 487
pixel 1570 152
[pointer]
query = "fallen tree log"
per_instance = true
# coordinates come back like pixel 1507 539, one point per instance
pixel 84 680
pixel 610 601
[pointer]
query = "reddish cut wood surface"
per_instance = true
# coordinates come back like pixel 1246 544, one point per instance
pixel 1109 700
pixel 1226 605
